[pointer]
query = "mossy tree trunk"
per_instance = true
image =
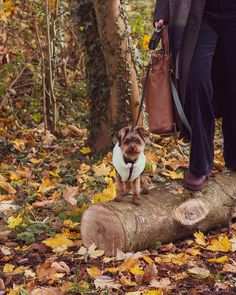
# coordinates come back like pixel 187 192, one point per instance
pixel 97 81
pixel 120 68
pixel 110 72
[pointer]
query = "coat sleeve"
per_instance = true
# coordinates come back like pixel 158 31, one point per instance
pixel 161 11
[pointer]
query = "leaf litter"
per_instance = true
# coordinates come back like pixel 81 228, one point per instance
pixel 46 183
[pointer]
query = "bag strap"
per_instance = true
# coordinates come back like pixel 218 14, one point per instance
pixel 144 92
pixel 179 107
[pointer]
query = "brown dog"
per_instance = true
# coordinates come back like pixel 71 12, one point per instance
pixel 129 161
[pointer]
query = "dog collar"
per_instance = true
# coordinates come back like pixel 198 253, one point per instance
pixel 127 171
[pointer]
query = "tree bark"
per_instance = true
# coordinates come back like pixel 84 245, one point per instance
pixel 120 67
pixel 162 216
pixel 96 76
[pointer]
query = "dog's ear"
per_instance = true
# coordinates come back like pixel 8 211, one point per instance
pixel 122 134
pixel 143 133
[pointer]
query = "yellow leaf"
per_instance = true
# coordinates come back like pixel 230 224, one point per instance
pixel 108 193
pixel 8 268
pixel 136 271
pixel 113 173
pixel 221 259
pixel 145 42
pixel 85 150
pixel 112 269
pixel 223 244
pixel 178 259
pixel 126 282
pixel 54 174
pixel 59 243
pixel 200 238
pixel 19 270
pixel 194 252
pixel 46 185
pixel 94 271
pixel 13 176
pixel 152 292
pixel 19 144
pixel 83 169
pixel 128 264
pixel 147 259
pixel 13 222
pixel 174 175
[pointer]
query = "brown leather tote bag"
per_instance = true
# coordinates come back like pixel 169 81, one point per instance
pixel 158 94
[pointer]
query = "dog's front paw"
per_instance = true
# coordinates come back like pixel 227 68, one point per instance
pixel 118 198
pixel 136 201
pixel 145 191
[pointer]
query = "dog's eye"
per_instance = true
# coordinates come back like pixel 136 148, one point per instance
pixel 127 141
pixel 137 141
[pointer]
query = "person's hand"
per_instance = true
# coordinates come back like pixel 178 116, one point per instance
pixel 159 24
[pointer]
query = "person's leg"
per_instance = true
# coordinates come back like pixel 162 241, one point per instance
pixel 198 106
pixel 227 41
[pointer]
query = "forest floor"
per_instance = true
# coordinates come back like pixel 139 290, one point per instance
pixel 46 183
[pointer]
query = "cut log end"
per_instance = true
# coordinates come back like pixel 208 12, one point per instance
pixel 104 228
pixel 191 212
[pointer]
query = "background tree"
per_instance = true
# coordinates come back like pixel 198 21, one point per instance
pixel 110 70
pixel 95 69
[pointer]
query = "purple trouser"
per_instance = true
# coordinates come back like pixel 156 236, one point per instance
pixel 217 34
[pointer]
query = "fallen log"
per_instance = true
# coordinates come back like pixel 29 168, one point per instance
pixel 162 216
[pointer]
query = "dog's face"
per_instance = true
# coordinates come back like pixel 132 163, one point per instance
pixel 132 141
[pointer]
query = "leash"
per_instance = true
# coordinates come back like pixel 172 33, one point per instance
pixel 154 41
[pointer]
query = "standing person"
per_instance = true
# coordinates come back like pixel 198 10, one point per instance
pixel 203 42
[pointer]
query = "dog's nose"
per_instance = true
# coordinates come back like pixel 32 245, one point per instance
pixel 132 148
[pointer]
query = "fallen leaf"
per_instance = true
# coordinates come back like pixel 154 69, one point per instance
pixel 101 170
pixel 174 175
pixel 5 250
pixel 68 195
pixel 59 243
pixel 127 282
pixel 229 268
pixel 162 283
pixel 221 259
pixel 46 185
pixel 7 187
pixel 61 267
pixel 8 268
pixel 199 271
pixel 106 282
pixel 150 273
pixel 223 244
pixel 147 259
pixel 93 253
pixel 200 238
pixel 85 150
pixel 46 291
pixel 94 271
pixel 13 222
pixel 43 204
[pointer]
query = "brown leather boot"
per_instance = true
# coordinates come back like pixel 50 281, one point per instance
pixel 194 183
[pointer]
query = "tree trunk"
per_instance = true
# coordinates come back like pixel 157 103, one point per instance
pixel 162 216
pixel 120 68
pixel 95 70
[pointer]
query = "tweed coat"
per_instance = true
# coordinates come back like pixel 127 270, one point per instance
pixel 184 20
